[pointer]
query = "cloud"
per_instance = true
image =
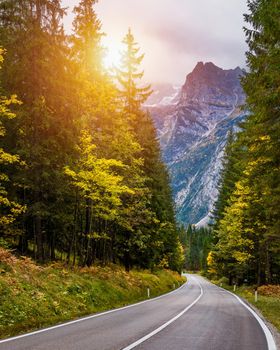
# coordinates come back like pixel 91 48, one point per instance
pixel 185 40
pixel 175 34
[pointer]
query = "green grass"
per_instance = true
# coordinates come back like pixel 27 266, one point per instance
pixel 268 300
pixel 34 296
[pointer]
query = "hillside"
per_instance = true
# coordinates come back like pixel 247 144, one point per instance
pixel 34 296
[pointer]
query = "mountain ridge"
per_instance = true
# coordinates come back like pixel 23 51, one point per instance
pixel 193 133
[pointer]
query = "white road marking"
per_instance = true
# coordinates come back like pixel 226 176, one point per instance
pixel 87 317
pixel 146 337
pixel 269 338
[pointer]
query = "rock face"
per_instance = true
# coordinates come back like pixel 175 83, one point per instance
pixel 163 95
pixel 193 134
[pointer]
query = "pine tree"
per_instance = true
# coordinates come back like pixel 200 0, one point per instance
pixel 162 245
pixel 131 94
pixel 9 209
pixel 248 231
pixel 37 70
pixel 263 128
pixel 197 246
pixel 100 186
pixel 85 41
pixel 93 183
pixel 233 157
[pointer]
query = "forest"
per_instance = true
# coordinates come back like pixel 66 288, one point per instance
pixel 81 173
pixel 242 242
pixel 82 178
pixel 246 228
pixel 87 219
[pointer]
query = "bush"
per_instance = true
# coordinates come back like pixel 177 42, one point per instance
pixel 223 280
pixel 270 290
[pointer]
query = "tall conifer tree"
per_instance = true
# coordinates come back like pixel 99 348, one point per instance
pixel 248 232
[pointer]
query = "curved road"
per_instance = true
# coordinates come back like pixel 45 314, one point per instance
pixel 197 316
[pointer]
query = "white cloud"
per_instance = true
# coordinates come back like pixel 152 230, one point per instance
pixel 175 34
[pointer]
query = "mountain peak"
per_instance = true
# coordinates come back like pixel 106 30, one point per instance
pixel 193 134
pixel 211 71
pixel 211 66
pixel 207 66
pixel 209 80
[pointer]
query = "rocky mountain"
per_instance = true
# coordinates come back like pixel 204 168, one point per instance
pixel 164 95
pixel 193 130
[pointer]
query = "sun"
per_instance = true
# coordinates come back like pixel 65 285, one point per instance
pixel 112 57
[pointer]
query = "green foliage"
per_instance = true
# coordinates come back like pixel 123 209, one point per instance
pixel 93 183
pixel 85 41
pixel 159 244
pixel 9 209
pixel 131 95
pixel 33 296
pixel 197 243
pixel 97 181
pixel 228 177
pixel 248 221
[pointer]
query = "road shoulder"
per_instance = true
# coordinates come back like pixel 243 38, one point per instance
pixel 274 331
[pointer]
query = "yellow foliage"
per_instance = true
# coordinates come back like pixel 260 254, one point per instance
pixel 265 138
pixel 164 263
pixel 211 263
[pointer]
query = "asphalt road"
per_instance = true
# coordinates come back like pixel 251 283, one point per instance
pixel 197 316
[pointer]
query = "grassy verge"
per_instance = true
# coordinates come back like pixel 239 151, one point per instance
pixel 33 296
pixel 268 300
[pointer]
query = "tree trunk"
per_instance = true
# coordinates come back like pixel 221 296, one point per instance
pixel 23 244
pixel 39 238
pixel 267 265
pixel 88 217
pixel 53 247
pixel 127 261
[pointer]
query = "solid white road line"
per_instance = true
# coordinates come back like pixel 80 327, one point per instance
pixel 146 337
pixel 88 317
pixel 269 338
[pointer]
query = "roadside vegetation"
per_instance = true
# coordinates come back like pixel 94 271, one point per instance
pixel 34 296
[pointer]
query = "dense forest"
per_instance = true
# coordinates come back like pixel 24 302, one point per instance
pixel 82 178
pixel 246 230
pixel 81 173
pixel 197 244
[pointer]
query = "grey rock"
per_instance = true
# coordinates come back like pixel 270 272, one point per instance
pixel 193 132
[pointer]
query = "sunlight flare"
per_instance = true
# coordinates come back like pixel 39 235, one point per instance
pixel 112 57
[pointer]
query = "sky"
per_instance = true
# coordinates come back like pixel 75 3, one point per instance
pixel 174 34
